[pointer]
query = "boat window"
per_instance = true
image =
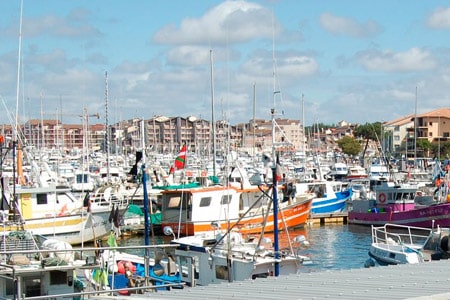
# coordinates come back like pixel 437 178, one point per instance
pixel 58 277
pixel 222 272
pixel 82 178
pixel 9 287
pixel 32 287
pixel 174 201
pixel 226 199
pixel 41 198
pixel 205 201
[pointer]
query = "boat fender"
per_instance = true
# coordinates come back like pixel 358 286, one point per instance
pixel 381 198
pixel 369 263
pixel 52 245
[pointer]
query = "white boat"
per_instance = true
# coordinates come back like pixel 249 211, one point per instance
pixel 83 181
pixel 216 256
pixel 55 212
pixel 338 171
pixel 361 189
pixel 356 172
pixel 394 244
pixel 28 270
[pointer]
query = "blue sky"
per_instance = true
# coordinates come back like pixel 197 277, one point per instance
pixel 357 61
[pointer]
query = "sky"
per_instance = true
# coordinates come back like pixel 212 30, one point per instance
pixel 315 61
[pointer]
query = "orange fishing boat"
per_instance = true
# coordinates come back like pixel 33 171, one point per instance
pixel 195 209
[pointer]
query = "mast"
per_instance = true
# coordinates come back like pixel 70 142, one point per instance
pixel 275 197
pixel 107 129
pixel 415 131
pixel 15 133
pixel 303 124
pixel 19 62
pixel 254 124
pixel 213 124
pixel 274 169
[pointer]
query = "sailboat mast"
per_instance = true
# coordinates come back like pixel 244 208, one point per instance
pixel 15 133
pixel 213 123
pixel 303 124
pixel 107 129
pixel 19 63
pixel 415 131
pixel 274 169
pixel 254 125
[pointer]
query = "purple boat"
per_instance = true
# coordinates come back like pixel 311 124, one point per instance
pixel 401 204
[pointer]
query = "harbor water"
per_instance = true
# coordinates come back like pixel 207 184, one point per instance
pixel 331 246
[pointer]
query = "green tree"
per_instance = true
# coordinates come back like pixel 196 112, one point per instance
pixel 368 131
pixel 440 150
pixel 349 145
pixel 425 146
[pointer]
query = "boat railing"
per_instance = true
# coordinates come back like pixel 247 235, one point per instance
pixel 408 236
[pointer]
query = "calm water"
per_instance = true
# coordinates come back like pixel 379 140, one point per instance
pixel 332 246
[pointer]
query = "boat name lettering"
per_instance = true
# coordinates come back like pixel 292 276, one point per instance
pixel 432 211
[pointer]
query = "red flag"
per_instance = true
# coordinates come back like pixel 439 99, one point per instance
pixel 180 161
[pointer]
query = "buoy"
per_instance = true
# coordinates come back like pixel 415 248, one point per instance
pixel 382 198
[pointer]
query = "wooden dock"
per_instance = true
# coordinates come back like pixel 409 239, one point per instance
pixel 325 218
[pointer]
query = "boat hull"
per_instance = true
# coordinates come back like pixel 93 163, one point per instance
pixel 428 217
pixel 333 205
pixel 74 229
pixel 390 256
pixel 290 216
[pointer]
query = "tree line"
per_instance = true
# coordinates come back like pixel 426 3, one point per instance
pixel 365 133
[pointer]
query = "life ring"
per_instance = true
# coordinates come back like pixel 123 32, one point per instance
pixel 204 173
pixel 381 198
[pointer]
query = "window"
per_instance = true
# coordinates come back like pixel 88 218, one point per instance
pixel 32 287
pixel 41 198
pixel 174 201
pixel 222 272
pixel 226 199
pixel 205 201
pixel 58 277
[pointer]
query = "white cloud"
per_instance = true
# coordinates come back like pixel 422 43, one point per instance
pixel 439 19
pixel 347 26
pixel 229 22
pixel 59 27
pixel 414 59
